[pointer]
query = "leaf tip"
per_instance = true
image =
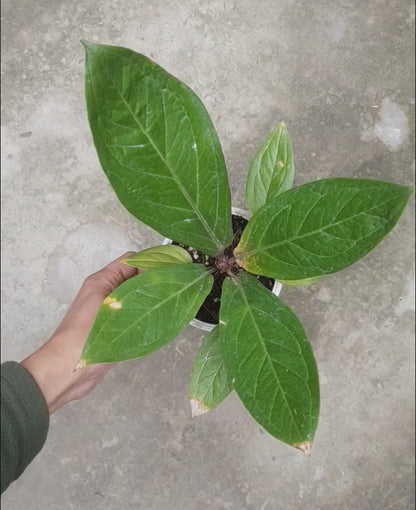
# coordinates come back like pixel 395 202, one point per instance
pixel 197 408
pixel 81 364
pixel 305 447
pixel 129 262
pixel 85 44
pixel 89 46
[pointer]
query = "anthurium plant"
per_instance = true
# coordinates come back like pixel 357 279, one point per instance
pixel 161 153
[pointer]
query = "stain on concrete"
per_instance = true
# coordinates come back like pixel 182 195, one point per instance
pixel 392 129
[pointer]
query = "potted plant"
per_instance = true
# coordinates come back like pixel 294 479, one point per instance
pixel 162 156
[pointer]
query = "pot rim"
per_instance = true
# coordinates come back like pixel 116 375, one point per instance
pixel 277 287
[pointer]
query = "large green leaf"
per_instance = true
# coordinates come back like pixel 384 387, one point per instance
pixel 272 169
pixel 158 147
pixel 266 352
pixel 159 256
pixel 319 228
pixel 145 313
pixel 210 382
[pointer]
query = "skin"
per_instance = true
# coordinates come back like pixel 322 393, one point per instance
pixel 52 365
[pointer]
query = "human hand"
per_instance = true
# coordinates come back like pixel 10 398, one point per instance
pixel 52 366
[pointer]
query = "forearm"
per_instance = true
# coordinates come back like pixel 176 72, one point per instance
pixel 55 374
pixel 24 421
pixel 52 372
pixel 46 380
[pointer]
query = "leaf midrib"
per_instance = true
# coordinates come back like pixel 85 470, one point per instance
pixel 307 234
pixel 161 303
pixel 249 311
pixel 192 204
pixel 209 387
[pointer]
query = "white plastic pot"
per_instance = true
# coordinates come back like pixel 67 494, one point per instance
pixel 277 287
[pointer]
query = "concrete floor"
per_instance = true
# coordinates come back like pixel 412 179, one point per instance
pixel 341 75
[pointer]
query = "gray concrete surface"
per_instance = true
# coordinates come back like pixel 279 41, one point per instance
pixel 341 75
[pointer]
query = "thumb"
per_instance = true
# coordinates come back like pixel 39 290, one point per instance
pixel 104 281
pixel 94 290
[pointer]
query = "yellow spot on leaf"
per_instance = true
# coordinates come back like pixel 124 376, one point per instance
pixel 112 303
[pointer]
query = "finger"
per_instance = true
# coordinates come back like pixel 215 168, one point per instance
pixel 94 290
pixel 111 276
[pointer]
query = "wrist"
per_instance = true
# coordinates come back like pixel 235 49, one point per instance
pixel 52 366
pixel 53 374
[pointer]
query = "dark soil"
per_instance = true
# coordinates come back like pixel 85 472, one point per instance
pixel 210 309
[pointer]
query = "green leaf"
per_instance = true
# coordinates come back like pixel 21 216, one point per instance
pixel 301 283
pixel 266 352
pixel 145 313
pixel 210 382
pixel 272 169
pixel 159 256
pixel 320 228
pixel 158 148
